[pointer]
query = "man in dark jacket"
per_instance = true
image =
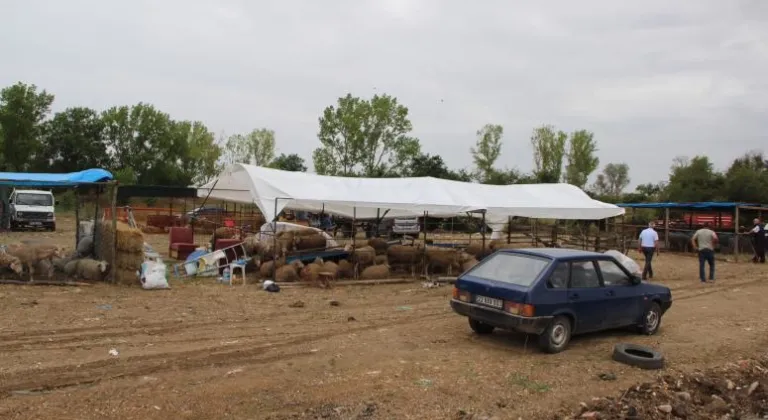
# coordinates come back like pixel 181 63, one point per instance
pixel 759 239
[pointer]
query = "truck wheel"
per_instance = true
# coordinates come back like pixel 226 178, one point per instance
pixel 479 327
pixel 557 335
pixel 52 228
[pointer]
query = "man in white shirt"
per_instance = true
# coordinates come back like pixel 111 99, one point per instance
pixel 759 236
pixel 649 244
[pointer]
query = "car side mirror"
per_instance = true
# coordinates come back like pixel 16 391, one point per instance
pixel 636 279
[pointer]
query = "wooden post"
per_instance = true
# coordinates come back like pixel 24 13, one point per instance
pixel 354 237
pixel 736 235
pixel 624 233
pixel 113 212
pixel 666 228
pixel 77 217
pixel 509 229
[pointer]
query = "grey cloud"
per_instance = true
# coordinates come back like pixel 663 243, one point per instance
pixel 652 79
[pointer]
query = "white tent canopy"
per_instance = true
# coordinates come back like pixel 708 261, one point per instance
pixel 273 190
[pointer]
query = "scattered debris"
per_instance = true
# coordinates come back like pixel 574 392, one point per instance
pixel 426 383
pixel 297 304
pixel 733 391
pixel 404 308
pixel 351 318
pixel 105 307
pixel 234 371
pixel 607 376
pixel 334 303
pixel 114 352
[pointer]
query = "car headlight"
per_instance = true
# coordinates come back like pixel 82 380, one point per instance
pixel 49 215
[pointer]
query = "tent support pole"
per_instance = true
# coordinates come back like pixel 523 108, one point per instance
pixel 113 211
pixel 274 244
pixel 378 221
pixel 77 217
pixel 735 234
pixel 354 235
pixel 482 230
pixel 666 228
pixel 424 249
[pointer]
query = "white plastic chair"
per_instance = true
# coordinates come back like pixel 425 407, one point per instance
pixel 237 264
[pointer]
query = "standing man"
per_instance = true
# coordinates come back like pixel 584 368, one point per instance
pixel 758 241
pixel 649 244
pixel 704 240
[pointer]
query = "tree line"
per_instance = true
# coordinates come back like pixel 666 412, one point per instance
pixel 357 137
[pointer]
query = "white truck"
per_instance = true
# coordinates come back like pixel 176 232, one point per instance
pixel 32 209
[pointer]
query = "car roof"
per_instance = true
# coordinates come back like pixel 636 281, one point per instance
pixel 556 253
pixel 32 192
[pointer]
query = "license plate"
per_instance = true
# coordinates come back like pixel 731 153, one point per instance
pixel 35 224
pixel 484 300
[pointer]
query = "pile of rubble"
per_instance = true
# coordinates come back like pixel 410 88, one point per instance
pixel 734 391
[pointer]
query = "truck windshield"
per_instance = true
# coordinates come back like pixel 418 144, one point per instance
pixel 27 199
pixel 518 269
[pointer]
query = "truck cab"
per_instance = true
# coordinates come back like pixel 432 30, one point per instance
pixel 32 209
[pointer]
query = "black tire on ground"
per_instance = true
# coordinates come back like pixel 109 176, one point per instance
pixel 642 357
pixel 557 335
pixel 651 319
pixel 479 327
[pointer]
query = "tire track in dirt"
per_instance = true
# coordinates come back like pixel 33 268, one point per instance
pixel 37 380
pixel 43 339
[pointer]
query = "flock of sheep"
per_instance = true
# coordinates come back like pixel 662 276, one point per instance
pixel 371 259
pixel 48 259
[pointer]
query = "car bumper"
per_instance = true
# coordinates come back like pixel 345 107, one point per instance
pixel 500 319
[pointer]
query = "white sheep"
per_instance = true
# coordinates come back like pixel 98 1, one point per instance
pixel 12 262
pixel 87 269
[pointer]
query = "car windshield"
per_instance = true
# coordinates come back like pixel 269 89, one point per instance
pixel 516 269
pixel 28 199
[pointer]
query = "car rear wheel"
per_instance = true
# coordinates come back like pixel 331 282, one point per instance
pixel 479 327
pixel 651 319
pixel 557 335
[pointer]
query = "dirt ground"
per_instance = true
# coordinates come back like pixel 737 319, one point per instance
pixel 203 350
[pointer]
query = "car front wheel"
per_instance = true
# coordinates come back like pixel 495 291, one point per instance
pixel 557 335
pixel 479 327
pixel 651 319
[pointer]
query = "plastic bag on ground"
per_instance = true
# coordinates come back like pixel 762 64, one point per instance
pixel 624 260
pixel 153 275
pixel 271 286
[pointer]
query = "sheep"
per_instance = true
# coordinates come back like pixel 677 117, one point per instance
pixel 380 259
pixel 252 245
pixel 375 272
pixel 90 269
pixel 346 269
pixel 11 262
pixel 265 269
pixel 85 247
pixel 60 263
pixel 443 259
pixel 362 257
pixel 331 268
pixel 380 245
pixel 31 255
pixel 468 263
pixel 45 266
pixel 476 248
pixel 297 265
pixel 225 233
pixel 404 255
pixel 316 241
pixel 70 268
pixel 286 240
pixel 286 273
pixel 311 272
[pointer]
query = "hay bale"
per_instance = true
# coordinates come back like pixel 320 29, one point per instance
pixel 126 277
pixel 129 260
pixel 129 239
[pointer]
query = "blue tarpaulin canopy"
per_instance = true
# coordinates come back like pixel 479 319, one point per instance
pixel 707 205
pixel 88 176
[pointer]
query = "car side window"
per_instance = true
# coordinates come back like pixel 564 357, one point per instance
pixel 613 275
pixel 559 277
pixel 584 275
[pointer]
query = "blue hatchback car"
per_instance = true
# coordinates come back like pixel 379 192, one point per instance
pixel 555 293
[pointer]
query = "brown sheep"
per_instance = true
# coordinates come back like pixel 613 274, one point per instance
pixel 316 241
pixel 466 265
pixel 12 262
pixel 476 248
pixel 362 256
pixel 265 270
pixel 346 269
pixel 45 266
pixel 442 259
pixel 305 232
pixel 30 256
pixel 375 272
pixel 404 256
pixel 286 273
pixel 252 245
pixel 380 259
pixel 331 268
pixel 311 272
pixel 297 265
pixel 286 240
pixel 380 245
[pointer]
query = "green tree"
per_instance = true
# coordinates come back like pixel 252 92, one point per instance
pixel 612 181
pixel 198 153
pixel 746 180
pixel 486 151
pixel 292 162
pixel 694 180
pixel 548 151
pixel 365 137
pixel 256 148
pixel 434 166
pixel 73 141
pixel 22 111
pixel 581 158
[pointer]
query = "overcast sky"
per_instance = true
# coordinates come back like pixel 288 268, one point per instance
pixel 652 79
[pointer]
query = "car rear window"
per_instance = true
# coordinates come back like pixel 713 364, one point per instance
pixel 517 269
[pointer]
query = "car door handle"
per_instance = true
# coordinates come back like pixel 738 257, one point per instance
pixel 610 293
pixel 574 296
